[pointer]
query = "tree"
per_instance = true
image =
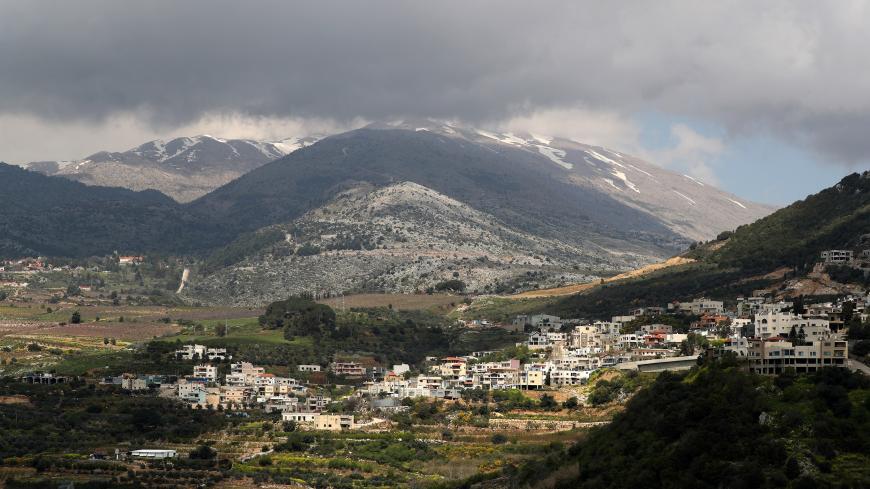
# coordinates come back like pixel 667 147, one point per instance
pixel 548 402
pixel 848 311
pixel 451 286
pixel 220 330
pixel 203 452
pixel 571 403
pixel 76 318
pixel 792 335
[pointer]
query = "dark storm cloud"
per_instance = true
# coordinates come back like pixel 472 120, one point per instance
pixel 795 70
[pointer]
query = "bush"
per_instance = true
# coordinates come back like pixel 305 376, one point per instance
pixel 203 452
pixel 498 439
pixel 450 285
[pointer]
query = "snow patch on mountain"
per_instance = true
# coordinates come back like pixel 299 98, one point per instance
pixel 555 155
pixel 737 203
pixel 601 157
pixel 621 175
pixel 684 196
pixel 694 180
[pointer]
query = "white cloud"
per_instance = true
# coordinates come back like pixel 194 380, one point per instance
pixel 692 153
pixel 25 137
pixel 796 70
pixel 597 127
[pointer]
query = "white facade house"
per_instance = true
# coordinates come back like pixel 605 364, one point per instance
pixel 569 377
pixel 781 323
pixel 299 417
pixel 205 371
pixel 201 352
pixel 837 256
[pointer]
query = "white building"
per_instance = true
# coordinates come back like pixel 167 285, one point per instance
pixel 299 417
pixel 201 352
pixel 700 306
pixel 837 256
pixel 244 373
pixel 569 377
pixel 781 323
pixel 205 371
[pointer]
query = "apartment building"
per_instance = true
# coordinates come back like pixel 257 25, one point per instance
pixel 774 355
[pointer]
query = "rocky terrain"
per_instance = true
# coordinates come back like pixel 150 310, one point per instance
pixel 400 238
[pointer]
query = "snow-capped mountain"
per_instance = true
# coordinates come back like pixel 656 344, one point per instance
pixel 184 168
pixel 685 204
pixel 508 204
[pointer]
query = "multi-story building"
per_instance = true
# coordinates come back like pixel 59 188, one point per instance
pixel 543 321
pixel 317 403
pixel 348 369
pixel 774 355
pixel 531 379
pixel 772 324
pixel 205 371
pixel 333 422
pixel 569 377
pixel 243 373
pixel 452 368
pixel 201 352
pixel 699 306
pixel 837 256
pixel 585 336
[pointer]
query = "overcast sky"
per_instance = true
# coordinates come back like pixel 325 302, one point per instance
pixel 769 100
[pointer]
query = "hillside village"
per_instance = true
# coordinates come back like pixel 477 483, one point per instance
pixel 558 355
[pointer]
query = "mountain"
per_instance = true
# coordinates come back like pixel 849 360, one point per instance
pixel 578 194
pixel 405 208
pixel 777 254
pixel 684 204
pixel 402 238
pixel 42 215
pixel 182 168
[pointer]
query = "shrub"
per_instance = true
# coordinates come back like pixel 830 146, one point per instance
pixel 498 439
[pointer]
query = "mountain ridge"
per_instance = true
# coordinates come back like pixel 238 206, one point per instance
pixel 399 238
pixel 183 168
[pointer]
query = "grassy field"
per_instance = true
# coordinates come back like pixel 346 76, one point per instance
pixel 501 309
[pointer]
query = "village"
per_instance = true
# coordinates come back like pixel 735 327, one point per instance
pixel 558 355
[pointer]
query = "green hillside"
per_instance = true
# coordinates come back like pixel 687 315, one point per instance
pixel 833 218
pixel 792 237
pixel 721 427
pixel 41 215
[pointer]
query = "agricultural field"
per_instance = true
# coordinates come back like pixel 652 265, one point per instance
pixel 401 302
